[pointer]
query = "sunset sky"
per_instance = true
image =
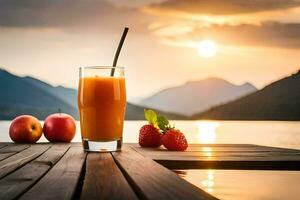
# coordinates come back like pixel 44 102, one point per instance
pixel 255 41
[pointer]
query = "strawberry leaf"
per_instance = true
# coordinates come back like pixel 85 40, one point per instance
pixel 151 117
pixel 162 123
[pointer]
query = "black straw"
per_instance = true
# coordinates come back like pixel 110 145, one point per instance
pixel 118 50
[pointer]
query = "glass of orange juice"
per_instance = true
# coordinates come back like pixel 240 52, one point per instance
pixel 101 103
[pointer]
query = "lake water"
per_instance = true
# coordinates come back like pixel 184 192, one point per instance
pixel 229 184
pixel 270 133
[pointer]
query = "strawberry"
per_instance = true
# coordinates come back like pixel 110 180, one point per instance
pixel 159 131
pixel 149 136
pixel 174 140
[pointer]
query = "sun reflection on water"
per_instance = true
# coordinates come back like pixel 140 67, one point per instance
pixel 207 131
pixel 208 184
pixel 207 151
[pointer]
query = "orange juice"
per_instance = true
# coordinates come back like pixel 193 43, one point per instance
pixel 101 102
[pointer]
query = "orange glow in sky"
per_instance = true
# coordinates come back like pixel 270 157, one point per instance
pixel 167 44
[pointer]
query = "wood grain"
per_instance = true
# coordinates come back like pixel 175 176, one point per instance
pixel 9 150
pixel 104 180
pixel 18 160
pixel 62 179
pixel 3 144
pixel 14 184
pixel 152 181
pixel 55 171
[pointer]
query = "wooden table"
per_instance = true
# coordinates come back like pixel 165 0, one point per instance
pixel 65 171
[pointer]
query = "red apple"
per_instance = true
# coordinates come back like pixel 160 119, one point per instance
pixel 25 128
pixel 59 127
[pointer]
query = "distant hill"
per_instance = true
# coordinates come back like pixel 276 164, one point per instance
pixel 277 101
pixel 68 95
pixel 21 96
pixel 28 95
pixel 196 96
pixel 134 112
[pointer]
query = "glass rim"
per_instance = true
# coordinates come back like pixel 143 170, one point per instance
pixel 102 67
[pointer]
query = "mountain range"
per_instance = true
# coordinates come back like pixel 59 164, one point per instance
pixel 278 101
pixel 214 98
pixel 197 96
pixel 28 95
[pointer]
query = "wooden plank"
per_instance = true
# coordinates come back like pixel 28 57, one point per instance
pixel 225 157
pixel 152 181
pixel 210 153
pixel 12 149
pixel 220 147
pixel 3 144
pixel 61 181
pixel 14 184
pixel 267 156
pixel 238 165
pixel 104 180
pixel 18 160
pixel 77 144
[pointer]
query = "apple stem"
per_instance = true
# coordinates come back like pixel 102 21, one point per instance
pixel 59 111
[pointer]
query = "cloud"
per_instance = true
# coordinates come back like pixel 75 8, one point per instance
pixel 222 7
pixel 105 15
pixel 267 34
pixel 100 14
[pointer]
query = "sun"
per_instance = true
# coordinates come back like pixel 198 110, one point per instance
pixel 207 48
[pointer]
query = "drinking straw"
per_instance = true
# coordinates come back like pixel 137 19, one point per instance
pixel 118 50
